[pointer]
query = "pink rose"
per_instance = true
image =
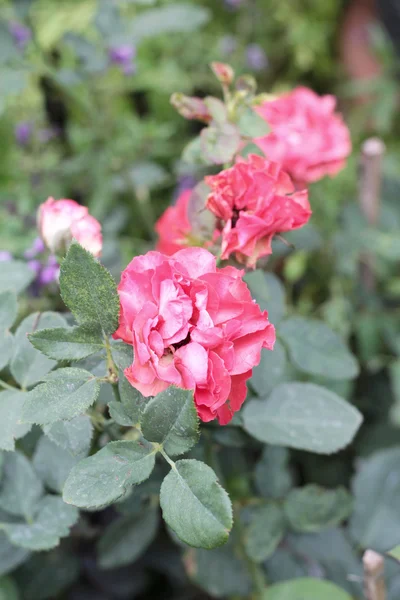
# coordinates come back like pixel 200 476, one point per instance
pixel 173 226
pixel 308 138
pixel 193 326
pixel 59 221
pixel 254 200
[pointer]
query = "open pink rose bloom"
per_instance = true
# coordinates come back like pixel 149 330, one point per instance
pixel 254 200
pixel 307 137
pixel 60 221
pixel 191 325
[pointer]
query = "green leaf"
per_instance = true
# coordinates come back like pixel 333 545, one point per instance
pixel 304 416
pixel 46 574
pixel 10 556
pixel 72 343
pixel 8 309
pixel 375 521
pixel 170 419
pixel 52 521
pixel 269 293
pixel 394 372
pixel 20 487
pixel 15 275
pixel 65 394
pixel 272 475
pixel 28 365
pixel 75 435
pixel 266 530
pixel 128 411
pixel 220 143
pixel 6 348
pixel 8 589
pixel 11 403
pixel 195 506
pixel 53 464
pixel 104 477
pixel 174 18
pixel 88 290
pixel 394 553
pixel 219 572
pixel 307 588
pixel 315 348
pixel 127 538
pixel 251 124
pixel 312 508
pixel 271 370
pixel 122 354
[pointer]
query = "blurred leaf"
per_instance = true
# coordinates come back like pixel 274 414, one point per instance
pixel 46 574
pixel 88 290
pixel 11 403
pixel 219 572
pixel 271 370
pixel 15 274
pixel 74 435
pixel 20 488
pixel 28 365
pixel 195 506
pixel 266 530
pixel 170 419
pixel 10 556
pixel 272 475
pixel 101 479
pixel 174 18
pixel 8 309
pixel 7 45
pixel 315 348
pixel 219 144
pixel 312 508
pixel 394 372
pixel 53 464
pixel 6 348
pixel 8 589
pixel 310 589
pixel 375 522
pixel 65 394
pixel 52 521
pixel 202 221
pixel 395 553
pixel 148 174
pixel 269 293
pixel 127 538
pixel 304 416
pixel 251 124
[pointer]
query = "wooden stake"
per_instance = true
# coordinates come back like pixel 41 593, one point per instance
pixel 374 583
pixel 372 152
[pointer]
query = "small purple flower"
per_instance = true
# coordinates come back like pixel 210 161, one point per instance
pixel 123 56
pixel 48 274
pixel 227 45
pixel 5 256
pixel 20 33
pixel 36 248
pixel 185 182
pixel 256 57
pixel 35 265
pixel 23 132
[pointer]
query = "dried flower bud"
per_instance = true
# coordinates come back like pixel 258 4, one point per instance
pixel 190 107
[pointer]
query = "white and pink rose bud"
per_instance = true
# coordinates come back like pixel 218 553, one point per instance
pixel 61 221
